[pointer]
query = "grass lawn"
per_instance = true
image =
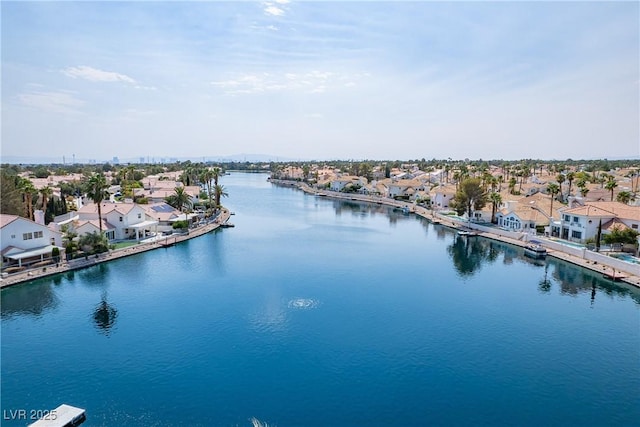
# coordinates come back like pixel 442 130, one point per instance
pixel 121 245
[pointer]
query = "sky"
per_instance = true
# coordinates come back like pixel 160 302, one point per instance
pixel 321 80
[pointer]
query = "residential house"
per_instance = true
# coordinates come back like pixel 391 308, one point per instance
pixel 581 222
pixel 126 220
pixel 24 241
pixel 340 183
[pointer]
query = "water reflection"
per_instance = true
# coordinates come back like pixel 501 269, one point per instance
pixel 363 210
pixel 96 276
pixel 31 299
pixel 545 284
pixel 104 315
pixel 574 281
pixel 469 253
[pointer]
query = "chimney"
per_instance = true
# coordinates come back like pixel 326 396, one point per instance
pixel 38 215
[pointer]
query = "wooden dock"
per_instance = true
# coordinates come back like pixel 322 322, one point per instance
pixel 62 416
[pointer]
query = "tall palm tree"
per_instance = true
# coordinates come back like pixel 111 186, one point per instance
pixel 495 199
pixel 553 189
pixel 560 178
pixel 46 193
pixel 610 185
pixel 97 191
pixel 570 177
pixel 217 173
pixel 207 176
pixel 219 192
pixel 27 189
pixel 512 185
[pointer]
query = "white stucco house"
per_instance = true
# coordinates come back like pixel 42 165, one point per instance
pixel 581 223
pixel 123 220
pixel 24 241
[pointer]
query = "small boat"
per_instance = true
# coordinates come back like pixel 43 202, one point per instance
pixel 62 416
pixel 406 210
pixel 535 251
pixel 226 225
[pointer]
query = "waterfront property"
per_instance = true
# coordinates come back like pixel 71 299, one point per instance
pixel 347 314
pixel 24 241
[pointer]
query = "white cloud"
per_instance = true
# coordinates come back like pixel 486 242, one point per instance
pixel 52 102
pixel 314 116
pixel 95 75
pixel 309 82
pixel 272 28
pixel 282 1
pixel 273 10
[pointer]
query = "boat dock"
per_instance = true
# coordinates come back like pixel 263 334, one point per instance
pixel 62 416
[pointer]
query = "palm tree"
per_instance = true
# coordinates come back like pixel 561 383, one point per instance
pixel 181 199
pixel 207 176
pixel 28 191
pixel 219 192
pixel 495 199
pixel 625 197
pixel 570 177
pixel 553 189
pixel 97 191
pixel 512 185
pixel 560 178
pixel 610 185
pixel 46 193
pixel 217 173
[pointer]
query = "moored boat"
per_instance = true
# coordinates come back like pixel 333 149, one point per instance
pixel 535 251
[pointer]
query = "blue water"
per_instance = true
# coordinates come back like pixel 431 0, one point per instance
pixel 314 312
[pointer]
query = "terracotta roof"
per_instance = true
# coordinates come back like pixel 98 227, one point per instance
pixel 620 209
pixel 589 210
pixel 107 207
pixel 614 223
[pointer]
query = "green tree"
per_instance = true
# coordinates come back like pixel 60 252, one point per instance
pixel 470 195
pixel 611 185
pixel 28 191
pixel 570 177
pixel 97 191
pixel 495 199
pixel 93 243
pixel 625 197
pixel 10 196
pixel 180 199
pixel 628 235
pixel 219 192
pixel 553 190
pixel 560 178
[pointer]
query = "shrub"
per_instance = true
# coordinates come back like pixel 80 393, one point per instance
pixel 180 224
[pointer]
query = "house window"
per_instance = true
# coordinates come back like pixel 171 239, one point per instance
pixel 13 236
pixel 567 218
pixel 576 234
pixel 37 235
pixel 27 236
pixel 120 219
pixel 634 226
pixel 139 216
pixel 575 219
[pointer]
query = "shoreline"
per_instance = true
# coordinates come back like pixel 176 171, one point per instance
pixel 77 264
pixel 626 276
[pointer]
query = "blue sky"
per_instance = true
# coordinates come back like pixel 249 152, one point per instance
pixel 321 80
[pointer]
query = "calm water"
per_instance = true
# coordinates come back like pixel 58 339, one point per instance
pixel 313 312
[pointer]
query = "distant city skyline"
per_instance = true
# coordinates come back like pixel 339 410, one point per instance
pixel 321 80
